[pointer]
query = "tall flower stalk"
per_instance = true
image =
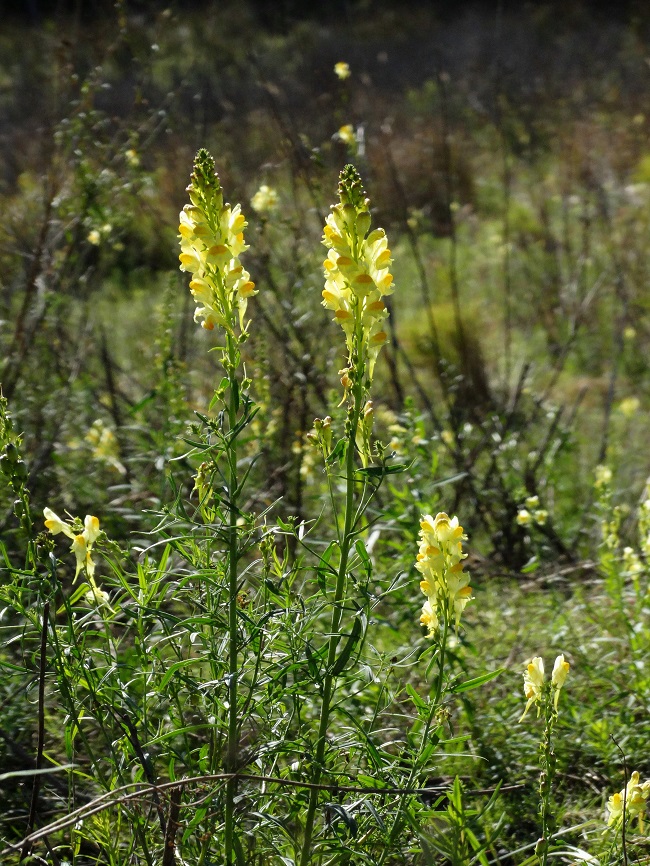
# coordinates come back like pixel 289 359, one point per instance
pixel 538 690
pixel 212 239
pixel 357 278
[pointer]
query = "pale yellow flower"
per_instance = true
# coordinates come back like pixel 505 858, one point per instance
pixel 132 158
pixel 558 677
pixel 346 134
pixel 524 517
pixel 540 516
pixel 94 237
pixel 212 239
pixel 428 617
pixel 266 199
pixel 629 406
pixel 55 525
pixel 439 561
pixel 342 70
pixel 603 476
pixel 533 683
pixel 633 797
pixel 356 271
pixel 82 542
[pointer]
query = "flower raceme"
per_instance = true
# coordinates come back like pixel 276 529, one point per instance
pixel 440 562
pixel 534 681
pixel 212 239
pixel 357 273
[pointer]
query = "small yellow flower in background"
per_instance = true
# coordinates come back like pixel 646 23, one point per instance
pixel 132 158
pixel 629 406
pixel 94 238
pixel 558 677
pixel 357 274
pixel 439 561
pixel 603 476
pixel 342 70
pixel 104 445
pixel 212 239
pixel 346 134
pixel 447 437
pixel 524 517
pixel 629 333
pixel 266 199
pixel 533 683
pixel 532 502
pixel 632 798
pixel 540 516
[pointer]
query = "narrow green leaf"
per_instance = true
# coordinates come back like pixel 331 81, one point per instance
pixel 474 683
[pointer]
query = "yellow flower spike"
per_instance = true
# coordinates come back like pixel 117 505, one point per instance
pixel 212 239
pixel 533 683
pixel 439 561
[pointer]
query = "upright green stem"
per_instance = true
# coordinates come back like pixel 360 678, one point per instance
pixel 547 762
pixel 337 615
pixel 415 768
pixel 233 666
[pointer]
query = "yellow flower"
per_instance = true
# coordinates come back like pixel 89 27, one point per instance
pixel 356 272
pixel 346 134
pixel 533 683
pixel 524 517
pixel 342 70
pixel 558 677
pixel 428 617
pixel 54 524
pixel 82 542
pixel 265 199
pixel 132 158
pixel 94 237
pixel 629 406
pixel 212 239
pixel 633 798
pixel 439 561
pixel 603 476
pixel 540 516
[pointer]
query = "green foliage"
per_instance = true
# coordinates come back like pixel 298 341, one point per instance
pixel 244 681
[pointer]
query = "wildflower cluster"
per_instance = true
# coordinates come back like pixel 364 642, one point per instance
pixel 212 240
pixel 629 803
pixel 530 512
pixel 534 681
pixel 82 541
pixel 440 562
pixel 356 273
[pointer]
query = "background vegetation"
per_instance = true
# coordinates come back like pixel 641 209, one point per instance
pixel 506 155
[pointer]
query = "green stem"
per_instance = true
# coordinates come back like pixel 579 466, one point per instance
pixel 397 825
pixel 547 774
pixel 329 684
pixel 233 734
